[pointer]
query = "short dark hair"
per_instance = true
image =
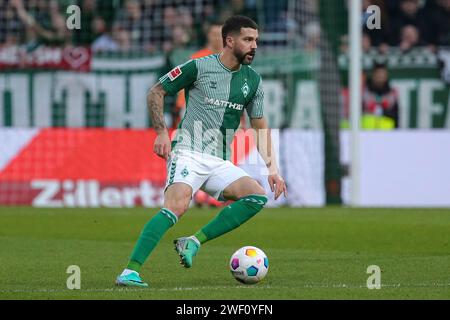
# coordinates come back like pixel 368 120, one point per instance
pixel 234 25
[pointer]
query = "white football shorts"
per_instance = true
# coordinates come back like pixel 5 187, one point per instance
pixel 202 171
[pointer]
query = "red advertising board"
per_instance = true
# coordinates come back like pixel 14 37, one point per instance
pixel 84 168
pixel 67 58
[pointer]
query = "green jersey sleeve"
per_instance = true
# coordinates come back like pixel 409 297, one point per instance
pixel 255 106
pixel 179 77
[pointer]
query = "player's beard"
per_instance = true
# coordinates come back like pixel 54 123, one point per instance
pixel 244 57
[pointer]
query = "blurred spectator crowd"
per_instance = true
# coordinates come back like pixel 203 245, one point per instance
pixel 150 26
pixel 407 24
pixel 147 25
pixel 111 26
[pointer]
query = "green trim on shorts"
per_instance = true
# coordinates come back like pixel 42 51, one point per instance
pixel 173 167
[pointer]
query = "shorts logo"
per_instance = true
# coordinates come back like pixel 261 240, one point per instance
pixel 175 73
pixel 245 89
pixel 185 172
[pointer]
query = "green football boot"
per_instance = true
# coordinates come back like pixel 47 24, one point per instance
pixel 131 280
pixel 187 248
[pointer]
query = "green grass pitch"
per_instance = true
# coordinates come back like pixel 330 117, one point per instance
pixel 313 253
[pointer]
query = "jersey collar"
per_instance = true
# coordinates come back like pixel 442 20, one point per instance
pixel 223 66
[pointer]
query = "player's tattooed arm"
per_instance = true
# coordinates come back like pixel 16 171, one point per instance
pixel 155 103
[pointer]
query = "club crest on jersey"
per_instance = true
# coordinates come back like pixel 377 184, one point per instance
pixel 175 73
pixel 245 89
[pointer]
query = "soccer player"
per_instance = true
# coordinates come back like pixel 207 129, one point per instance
pixel 218 89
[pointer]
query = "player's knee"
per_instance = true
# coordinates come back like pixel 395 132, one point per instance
pixel 177 198
pixel 260 191
pixel 257 190
pixel 177 204
pixel 177 208
pixel 251 188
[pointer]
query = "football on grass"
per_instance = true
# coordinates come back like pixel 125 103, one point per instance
pixel 249 265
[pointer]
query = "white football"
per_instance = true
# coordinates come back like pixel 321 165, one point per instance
pixel 249 265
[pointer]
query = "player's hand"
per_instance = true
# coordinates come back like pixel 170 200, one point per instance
pixel 162 145
pixel 277 185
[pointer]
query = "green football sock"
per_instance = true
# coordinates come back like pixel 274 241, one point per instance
pixel 151 234
pixel 231 217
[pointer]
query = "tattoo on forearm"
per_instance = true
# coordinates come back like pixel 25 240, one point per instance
pixel 155 103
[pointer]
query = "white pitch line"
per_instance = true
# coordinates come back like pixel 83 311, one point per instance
pixel 306 286
pixel 122 289
pixel 395 285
